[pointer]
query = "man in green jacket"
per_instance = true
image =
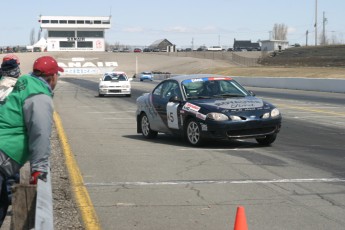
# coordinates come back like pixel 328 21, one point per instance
pixel 26 120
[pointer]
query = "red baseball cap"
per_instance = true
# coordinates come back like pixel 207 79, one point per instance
pixel 47 65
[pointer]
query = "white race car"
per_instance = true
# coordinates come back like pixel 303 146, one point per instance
pixel 114 83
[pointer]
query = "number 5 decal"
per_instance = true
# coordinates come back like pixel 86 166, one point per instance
pixel 172 115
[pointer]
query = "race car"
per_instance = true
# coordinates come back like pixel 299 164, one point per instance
pixel 146 76
pixel 114 83
pixel 202 106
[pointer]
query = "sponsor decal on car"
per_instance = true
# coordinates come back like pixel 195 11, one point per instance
pixel 201 116
pixel 191 107
pixel 245 103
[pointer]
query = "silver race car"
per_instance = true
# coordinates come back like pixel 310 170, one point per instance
pixel 201 107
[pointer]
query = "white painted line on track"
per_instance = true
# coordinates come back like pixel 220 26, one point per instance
pixel 131 111
pixel 192 182
pixel 113 118
pixel 317 116
pixel 215 149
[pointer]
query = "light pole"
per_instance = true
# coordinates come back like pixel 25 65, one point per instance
pixel 315 23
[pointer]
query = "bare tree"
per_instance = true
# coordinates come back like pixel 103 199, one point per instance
pixel 39 35
pixel 279 32
pixel 32 36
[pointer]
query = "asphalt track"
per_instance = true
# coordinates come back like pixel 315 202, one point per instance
pixel 134 183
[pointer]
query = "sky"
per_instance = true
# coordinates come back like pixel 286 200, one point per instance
pixel 185 23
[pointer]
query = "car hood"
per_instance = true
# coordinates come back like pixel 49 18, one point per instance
pixel 231 104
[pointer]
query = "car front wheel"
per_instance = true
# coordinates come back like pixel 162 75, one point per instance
pixel 145 127
pixel 269 139
pixel 193 133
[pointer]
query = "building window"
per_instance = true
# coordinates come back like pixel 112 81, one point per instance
pixel 45 21
pixel 71 21
pixel 88 22
pixel 64 44
pixel 97 22
pixel 90 34
pixel 105 22
pixel 61 34
pixel 84 44
pixel 63 21
pixel 54 21
pixel 80 22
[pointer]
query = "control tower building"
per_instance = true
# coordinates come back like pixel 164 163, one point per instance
pixel 75 33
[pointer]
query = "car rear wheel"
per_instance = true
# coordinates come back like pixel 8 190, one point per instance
pixel 193 133
pixel 269 139
pixel 145 127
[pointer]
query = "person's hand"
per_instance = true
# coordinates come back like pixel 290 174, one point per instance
pixel 38 175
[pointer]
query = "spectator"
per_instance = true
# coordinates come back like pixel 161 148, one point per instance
pixel 25 125
pixel 10 72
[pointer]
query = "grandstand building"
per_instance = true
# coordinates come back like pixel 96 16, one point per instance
pixel 75 33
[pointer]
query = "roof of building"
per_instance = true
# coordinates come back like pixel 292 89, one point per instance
pixel 160 42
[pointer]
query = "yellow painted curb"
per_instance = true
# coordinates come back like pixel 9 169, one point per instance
pixel 81 194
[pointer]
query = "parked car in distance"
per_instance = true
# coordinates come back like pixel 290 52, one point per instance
pixel 137 50
pixel 114 83
pixel 147 50
pixel 215 48
pixel 146 76
pixel 206 106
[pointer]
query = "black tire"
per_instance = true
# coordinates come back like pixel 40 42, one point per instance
pixel 193 133
pixel 145 127
pixel 128 95
pixel 101 95
pixel 268 140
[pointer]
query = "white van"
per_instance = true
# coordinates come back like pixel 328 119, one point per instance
pixel 215 48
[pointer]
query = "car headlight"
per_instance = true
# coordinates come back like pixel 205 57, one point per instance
pixel 217 116
pixel 275 112
pixel 102 86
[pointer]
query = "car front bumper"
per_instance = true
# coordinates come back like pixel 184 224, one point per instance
pixel 114 91
pixel 241 129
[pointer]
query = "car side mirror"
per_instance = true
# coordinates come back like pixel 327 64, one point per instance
pixel 175 99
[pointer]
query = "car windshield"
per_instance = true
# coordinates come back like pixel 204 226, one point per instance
pixel 212 87
pixel 115 77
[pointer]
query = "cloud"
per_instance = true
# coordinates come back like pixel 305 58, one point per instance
pixel 291 30
pixel 208 29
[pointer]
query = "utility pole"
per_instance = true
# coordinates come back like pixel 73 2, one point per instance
pixel 324 29
pixel 306 38
pixel 315 23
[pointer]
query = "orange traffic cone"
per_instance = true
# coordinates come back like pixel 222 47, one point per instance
pixel 240 221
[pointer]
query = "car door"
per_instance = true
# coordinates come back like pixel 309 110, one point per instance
pixel 166 110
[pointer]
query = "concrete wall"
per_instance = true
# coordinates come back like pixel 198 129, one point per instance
pixel 313 84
